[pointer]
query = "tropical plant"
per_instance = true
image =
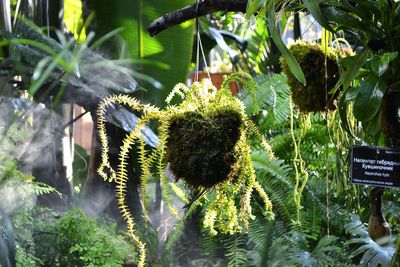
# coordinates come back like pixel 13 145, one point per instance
pixel 321 71
pixel 206 119
pixel 373 253
pixel 46 238
pixel 18 196
pixel 83 241
pixel 137 44
pixel 396 257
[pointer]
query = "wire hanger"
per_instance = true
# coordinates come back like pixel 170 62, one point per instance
pixel 199 47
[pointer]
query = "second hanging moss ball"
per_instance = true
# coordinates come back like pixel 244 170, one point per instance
pixel 321 71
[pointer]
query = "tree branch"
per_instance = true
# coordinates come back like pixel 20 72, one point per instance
pixel 189 12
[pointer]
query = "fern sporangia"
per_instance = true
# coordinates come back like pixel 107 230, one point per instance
pixel 205 142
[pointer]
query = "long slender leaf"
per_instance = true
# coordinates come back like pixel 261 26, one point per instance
pixel 315 10
pixel 294 66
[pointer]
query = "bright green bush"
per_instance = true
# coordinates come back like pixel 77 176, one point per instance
pixel 80 240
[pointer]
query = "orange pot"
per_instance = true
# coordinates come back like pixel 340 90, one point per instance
pixel 217 79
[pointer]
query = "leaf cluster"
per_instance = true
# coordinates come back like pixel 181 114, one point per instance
pixel 46 238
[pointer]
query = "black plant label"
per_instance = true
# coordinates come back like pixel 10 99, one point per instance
pixel 375 166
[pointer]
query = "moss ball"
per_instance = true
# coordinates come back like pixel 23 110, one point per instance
pixel 200 147
pixel 314 96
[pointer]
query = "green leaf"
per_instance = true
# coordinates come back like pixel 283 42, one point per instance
pixel 290 59
pixel 379 64
pixel 369 99
pixel 372 128
pixel 253 6
pixel 315 10
pixel 172 47
pixel 352 65
pixel 345 21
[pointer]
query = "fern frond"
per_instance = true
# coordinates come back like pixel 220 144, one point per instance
pixel 236 250
pixel 163 134
pixel 174 236
pixel 252 129
pixel 179 192
pixel 179 89
pixel 42 188
pixel 120 99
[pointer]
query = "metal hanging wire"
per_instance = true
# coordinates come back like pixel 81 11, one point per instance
pixel 199 47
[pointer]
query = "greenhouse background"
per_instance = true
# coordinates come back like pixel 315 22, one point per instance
pixel 199 133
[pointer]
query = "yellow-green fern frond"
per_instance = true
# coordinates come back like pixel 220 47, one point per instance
pixel 179 89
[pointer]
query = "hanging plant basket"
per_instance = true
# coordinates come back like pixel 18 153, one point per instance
pixel 206 142
pixel 321 71
pixel 204 133
pixel 200 147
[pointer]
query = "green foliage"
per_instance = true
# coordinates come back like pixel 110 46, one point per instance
pixel 133 18
pixel 372 26
pixel 372 254
pixel 236 251
pixel 218 121
pixel 82 241
pixel 292 63
pixel 396 257
pixel 18 192
pixel 47 239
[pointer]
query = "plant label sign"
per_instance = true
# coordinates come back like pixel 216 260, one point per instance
pixel 375 166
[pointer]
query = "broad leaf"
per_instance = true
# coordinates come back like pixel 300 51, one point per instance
pixel 352 65
pixel 345 21
pixel 294 66
pixel 172 47
pixel 369 99
pixel 253 6
pixel 372 128
pixel 379 64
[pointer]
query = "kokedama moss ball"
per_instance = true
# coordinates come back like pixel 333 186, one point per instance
pixel 315 95
pixel 200 148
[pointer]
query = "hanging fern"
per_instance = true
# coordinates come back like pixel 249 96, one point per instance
pixel 206 140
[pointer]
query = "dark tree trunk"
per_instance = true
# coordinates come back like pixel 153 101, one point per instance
pixel 389 118
pixel 98 195
pixel 390 126
pixel 296 26
pixel 377 224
